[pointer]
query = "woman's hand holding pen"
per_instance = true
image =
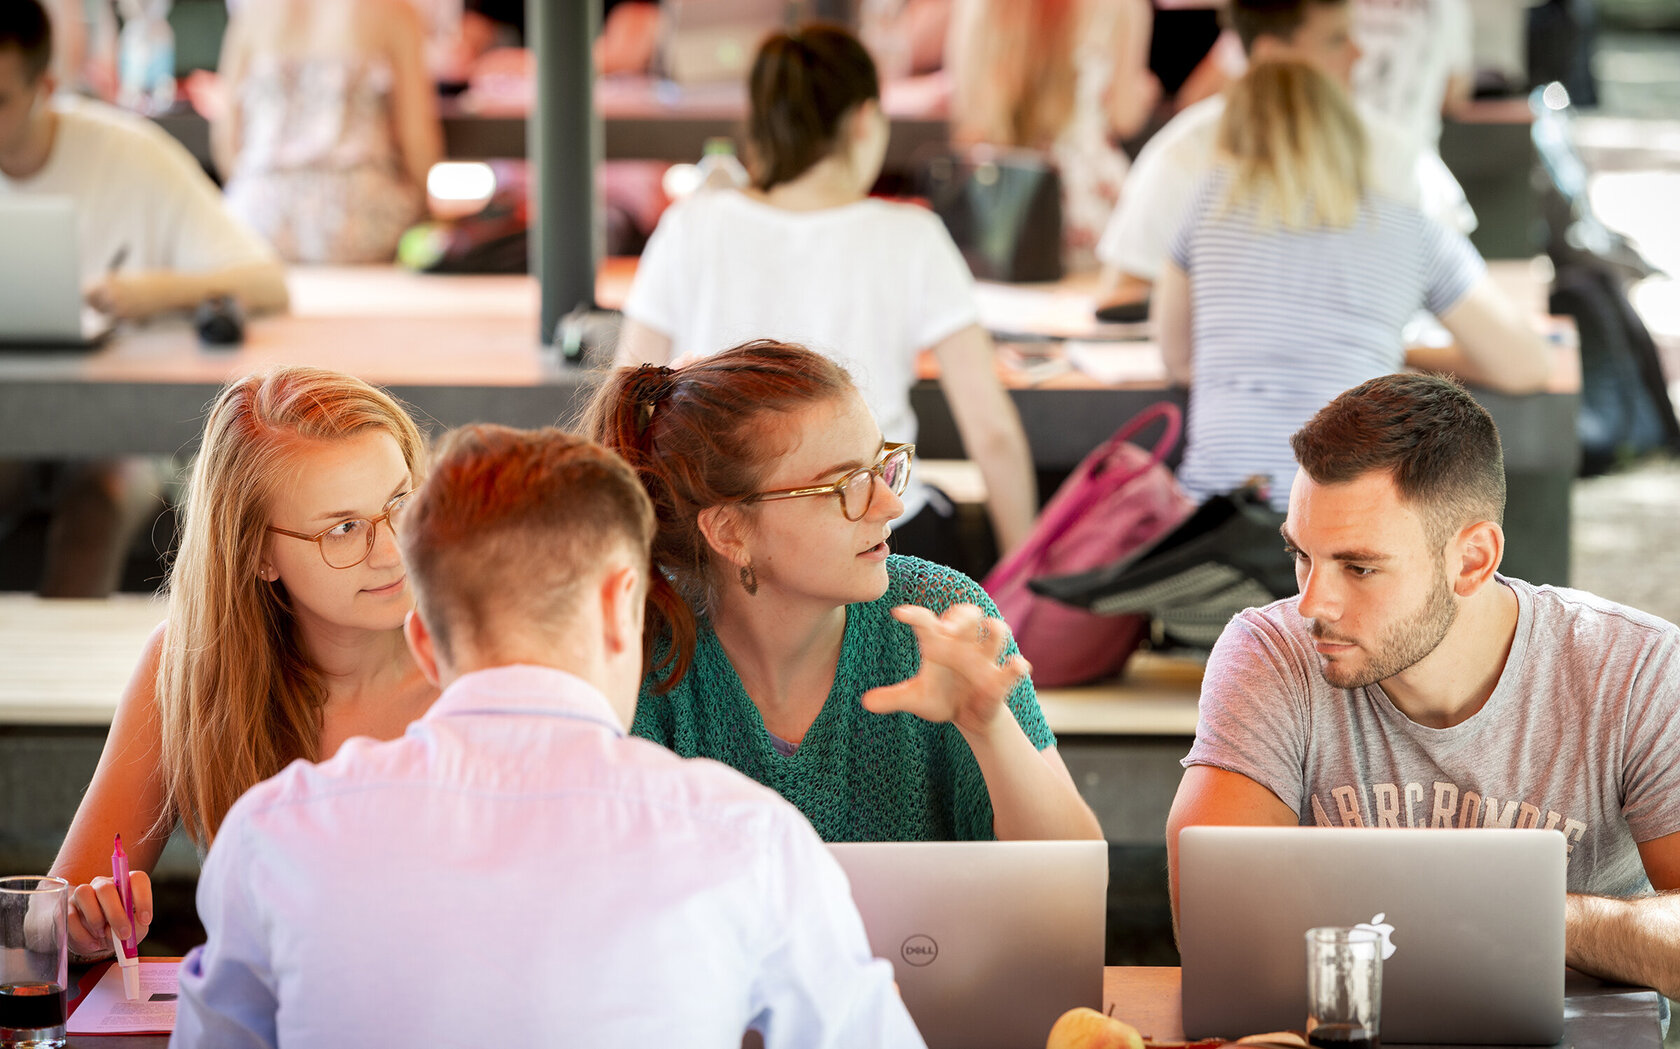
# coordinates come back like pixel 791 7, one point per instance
pixel 96 908
pixel 962 679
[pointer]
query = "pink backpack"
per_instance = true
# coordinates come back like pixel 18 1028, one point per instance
pixel 1118 501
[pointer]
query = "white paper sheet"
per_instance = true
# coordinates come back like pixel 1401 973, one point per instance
pixel 1117 363
pixel 107 1011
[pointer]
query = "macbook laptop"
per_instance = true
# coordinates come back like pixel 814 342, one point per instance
pixel 990 941
pixel 40 278
pixel 1472 922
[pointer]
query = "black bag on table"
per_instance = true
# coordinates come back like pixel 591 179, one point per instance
pixel 1227 556
pixel 1003 207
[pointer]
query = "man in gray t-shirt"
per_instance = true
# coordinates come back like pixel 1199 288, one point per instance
pixel 1410 685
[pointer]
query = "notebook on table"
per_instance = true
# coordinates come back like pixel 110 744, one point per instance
pixel 1472 922
pixel 40 278
pixel 990 941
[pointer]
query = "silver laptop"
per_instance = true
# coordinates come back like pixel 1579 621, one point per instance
pixel 990 941
pixel 1473 924
pixel 41 278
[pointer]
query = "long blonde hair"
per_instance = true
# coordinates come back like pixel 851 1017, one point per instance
pixel 1295 145
pixel 1013 75
pixel 237 697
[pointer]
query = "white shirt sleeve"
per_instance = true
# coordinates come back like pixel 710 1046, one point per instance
pixel 656 292
pixel 228 995
pixel 197 233
pixel 818 985
pixel 1157 192
pixel 946 303
pixel 1457 38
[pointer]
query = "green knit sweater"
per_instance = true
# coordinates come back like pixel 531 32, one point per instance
pixel 857 776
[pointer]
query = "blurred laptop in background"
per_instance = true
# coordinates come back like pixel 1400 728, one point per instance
pixel 41 303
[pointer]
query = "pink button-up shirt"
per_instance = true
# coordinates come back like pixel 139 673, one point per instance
pixel 515 871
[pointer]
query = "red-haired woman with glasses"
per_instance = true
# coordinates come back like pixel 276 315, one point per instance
pixel 879 693
pixel 284 632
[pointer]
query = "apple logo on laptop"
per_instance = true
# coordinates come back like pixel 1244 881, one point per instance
pixel 1382 929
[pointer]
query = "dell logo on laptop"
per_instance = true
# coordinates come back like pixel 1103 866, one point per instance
pixel 919 950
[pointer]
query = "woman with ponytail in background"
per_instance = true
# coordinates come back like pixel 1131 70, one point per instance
pixel 878 693
pixel 805 255
pixel 284 633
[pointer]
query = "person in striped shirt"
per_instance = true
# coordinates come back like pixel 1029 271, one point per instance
pixel 1291 278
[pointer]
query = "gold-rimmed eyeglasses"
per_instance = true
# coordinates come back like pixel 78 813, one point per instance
pixel 348 543
pixel 856 490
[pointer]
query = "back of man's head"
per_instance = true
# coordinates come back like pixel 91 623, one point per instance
pixel 1279 19
pixel 511 530
pixel 1426 432
pixel 25 27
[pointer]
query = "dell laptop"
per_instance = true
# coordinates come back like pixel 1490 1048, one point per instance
pixel 990 941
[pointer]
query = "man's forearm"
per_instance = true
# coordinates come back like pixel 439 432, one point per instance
pixel 1635 941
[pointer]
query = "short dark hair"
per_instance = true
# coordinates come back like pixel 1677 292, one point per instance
pixel 1253 19
pixel 24 25
pixel 1426 432
pixel 511 523
pixel 802 84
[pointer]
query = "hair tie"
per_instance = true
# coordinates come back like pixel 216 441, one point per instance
pixel 654 383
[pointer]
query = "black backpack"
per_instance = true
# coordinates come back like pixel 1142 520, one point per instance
pixel 1625 409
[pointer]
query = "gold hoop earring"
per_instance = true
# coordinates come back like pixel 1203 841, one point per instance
pixel 749 579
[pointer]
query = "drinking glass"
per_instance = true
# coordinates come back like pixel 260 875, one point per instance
pixel 1344 987
pixel 34 961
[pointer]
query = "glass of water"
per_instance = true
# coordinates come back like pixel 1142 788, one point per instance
pixel 1344 987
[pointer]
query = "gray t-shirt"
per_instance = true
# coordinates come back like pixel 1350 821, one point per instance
pixel 1582 734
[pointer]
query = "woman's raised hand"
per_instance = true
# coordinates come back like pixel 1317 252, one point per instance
pixel 964 678
pixel 96 909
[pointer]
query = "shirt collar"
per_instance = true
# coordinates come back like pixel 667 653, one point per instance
pixel 525 689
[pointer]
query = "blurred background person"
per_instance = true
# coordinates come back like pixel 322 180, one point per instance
pixel 1292 277
pixel 153 237
pixel 804 255
pixel 330 125
pixel 84 47
pixel 1162 181
pixel 1415 62
pixel 1067 78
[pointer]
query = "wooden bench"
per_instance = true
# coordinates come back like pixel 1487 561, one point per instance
pixel 66 664
pixel 67 661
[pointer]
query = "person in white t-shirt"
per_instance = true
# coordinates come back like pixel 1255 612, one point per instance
pixel 1415 61
pixel 805 256
pixel 153 237
pixel 1164 177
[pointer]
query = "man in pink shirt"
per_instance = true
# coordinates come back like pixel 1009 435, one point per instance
pixel 515 870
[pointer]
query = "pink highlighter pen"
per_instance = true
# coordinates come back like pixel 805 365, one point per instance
pixel 128 951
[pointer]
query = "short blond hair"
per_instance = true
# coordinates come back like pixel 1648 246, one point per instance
pixel 1295 145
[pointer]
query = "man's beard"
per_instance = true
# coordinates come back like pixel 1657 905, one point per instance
pixel 1402 646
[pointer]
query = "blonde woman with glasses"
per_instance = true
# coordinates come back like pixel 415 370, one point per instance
pixel 880 694
pixel 284 633
pixel 1291 279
